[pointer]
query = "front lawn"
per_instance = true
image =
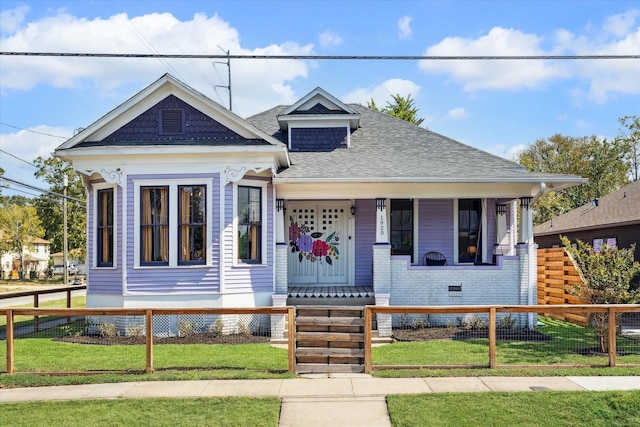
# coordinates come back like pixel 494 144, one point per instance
pixel 546 408
pixel 232 411
pixel 555 343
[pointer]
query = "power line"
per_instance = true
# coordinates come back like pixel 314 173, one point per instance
pixel 18 158
pixel 34 131
pixel 41 190
pixel 327 57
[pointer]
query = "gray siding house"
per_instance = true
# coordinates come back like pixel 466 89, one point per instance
pixel 190 205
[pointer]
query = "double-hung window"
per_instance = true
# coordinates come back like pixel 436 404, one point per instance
pixel 401 227
pixel 154 226
pixel 105 228
pixel 173 223
pixel 469 230
pixel 249 226
pixel 192 224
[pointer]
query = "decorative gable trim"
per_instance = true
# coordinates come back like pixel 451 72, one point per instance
pixel 319 105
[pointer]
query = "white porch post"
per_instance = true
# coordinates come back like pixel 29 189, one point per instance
pixel 526 238
pixel 382 235
pixel 382 267
pixel 501 229
pixel 281 267
pixel 279 219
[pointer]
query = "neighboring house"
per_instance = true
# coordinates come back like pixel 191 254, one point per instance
pixel 35 257
pixel 190 205
pixel 613 219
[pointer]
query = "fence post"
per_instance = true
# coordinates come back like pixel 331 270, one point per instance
pixel 291 338
pixel 9 337
pixel 68 303
pixel 492 337
pixel 612 335
pixel 149 340
pixel 368 364
pixel 36 301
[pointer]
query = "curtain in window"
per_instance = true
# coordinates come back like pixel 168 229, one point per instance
pixel 249 224
pixel 185 219
pixel 105 228
pixel 155 224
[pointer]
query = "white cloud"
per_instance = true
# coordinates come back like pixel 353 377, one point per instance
pixel 458 113
pixel 10 20
pixel 404 27
pixel 382 93
pixel 503 74
pixel 28 146
pixel 255 86
pixel 509 153
pixel 329 38
pixel 596 80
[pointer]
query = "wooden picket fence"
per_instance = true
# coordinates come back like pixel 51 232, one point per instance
pixel 557 275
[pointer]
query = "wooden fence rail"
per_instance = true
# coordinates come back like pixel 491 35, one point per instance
pixel 557 311
pixel 288 312
pixel 557 276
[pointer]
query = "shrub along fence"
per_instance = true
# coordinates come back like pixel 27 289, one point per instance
pixel 500 336
pixel 147 340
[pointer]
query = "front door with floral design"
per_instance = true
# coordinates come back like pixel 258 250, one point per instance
pixel 318 235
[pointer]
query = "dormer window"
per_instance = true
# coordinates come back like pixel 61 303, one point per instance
pixel 171 121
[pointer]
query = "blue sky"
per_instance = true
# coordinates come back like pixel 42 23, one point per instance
pixel 500 106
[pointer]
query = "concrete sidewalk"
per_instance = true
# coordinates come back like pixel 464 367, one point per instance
pixel 335 400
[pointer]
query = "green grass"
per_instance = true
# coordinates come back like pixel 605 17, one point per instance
pixel 548 408
pixel 562 349
pixel 235 412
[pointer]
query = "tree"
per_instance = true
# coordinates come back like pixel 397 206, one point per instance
pixel 631 139
pixel 18 226
pixel 601 161
pixel 49 206
pixel 607 279
pixel 401 108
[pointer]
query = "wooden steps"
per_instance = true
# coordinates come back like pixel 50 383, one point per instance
pixel 329 339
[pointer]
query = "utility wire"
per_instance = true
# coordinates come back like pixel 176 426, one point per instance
pixel 327 57
pixel 41 190
pixel 34 131
pixel 18 158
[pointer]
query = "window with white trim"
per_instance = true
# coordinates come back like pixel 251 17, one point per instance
pixel 172 220
pixel 105 227
pixel 250 198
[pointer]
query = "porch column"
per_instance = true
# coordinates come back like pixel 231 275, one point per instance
pixel 526 220
pixel 501 229
pixel 528 255
pixel 279 219
pixel 278 320
pixel 382 236
pixel 282 269
pixel 383 320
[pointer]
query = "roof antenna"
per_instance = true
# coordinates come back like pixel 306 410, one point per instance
pixel 228 64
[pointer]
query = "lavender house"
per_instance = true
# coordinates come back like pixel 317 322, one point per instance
pixel 190 205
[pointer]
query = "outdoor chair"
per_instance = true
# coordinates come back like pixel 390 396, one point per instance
pixel 434 258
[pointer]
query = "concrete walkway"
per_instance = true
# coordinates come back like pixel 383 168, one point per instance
pixel 335 400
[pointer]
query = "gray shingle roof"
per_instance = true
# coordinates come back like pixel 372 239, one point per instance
pixel 387 148
pixel 621 207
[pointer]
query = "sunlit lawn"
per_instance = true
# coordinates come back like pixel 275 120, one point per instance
pixel 567 342
pixel 547 408
pixel 231 411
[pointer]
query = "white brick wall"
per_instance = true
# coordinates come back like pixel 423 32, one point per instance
pixel 282 272
pixel 503 284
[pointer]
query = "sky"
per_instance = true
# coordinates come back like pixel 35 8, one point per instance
pixel 497 106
